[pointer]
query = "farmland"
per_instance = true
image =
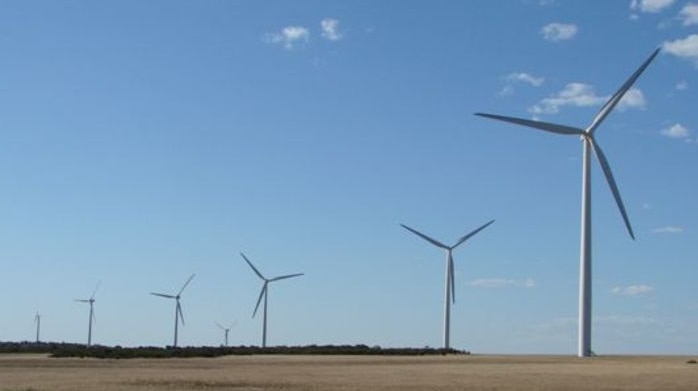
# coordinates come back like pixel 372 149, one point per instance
pixel 38 372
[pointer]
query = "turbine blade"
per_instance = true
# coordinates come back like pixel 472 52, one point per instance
pixel 546 126
pixel 185 284
pixel 425 237
pixel 252 266
pixel 95 291
pixel 163 295
pixel 94 317
pixel 613 101
pixel 179 311
pixel 452 277
pixel 471 234
pixel 606 168
pixel 219 326
pixel 82 300
pixel 285 277
pixel 259 300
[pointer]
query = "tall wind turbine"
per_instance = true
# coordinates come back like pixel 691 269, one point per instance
pixel 226 330
pixel 178 307
pixel 91 301
pixel 263 294
pixel 450 292
pixel 37 321
pixel 589 143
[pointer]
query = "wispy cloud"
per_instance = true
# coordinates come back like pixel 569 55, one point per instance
pixel 584 95
pixel 556 32
pixel 682 85
pixel 502 283
pixel 676 131
pixel 625 319
pixel 685 48
pixel 689 14
pixel 524 77
pixel 289 37
pixel 670 229
pixel 632 290
pixel 650 6
pixel 517 78
pixel 330 29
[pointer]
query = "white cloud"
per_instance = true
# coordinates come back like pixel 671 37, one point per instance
pixel 682 85
pixel 520 77
pixel 633 99
pixel 556 32
pixel 289 37
pixel 689 14
pixel 632 290
pixel 502 283
pixel 583 95
pixel 684 48
pixel 676 131
pixel 330 29
pixel 574 94
pixel 668 230
pixel 524 77
pixel 651 6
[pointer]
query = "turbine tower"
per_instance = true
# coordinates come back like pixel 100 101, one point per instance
pixel 263 294
pixel 589 144
pixel 178 307
pixel 37 321
pixel 450 293
pixel 226 330
pixel 91 301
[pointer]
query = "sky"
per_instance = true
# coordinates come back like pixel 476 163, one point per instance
pixel 144 141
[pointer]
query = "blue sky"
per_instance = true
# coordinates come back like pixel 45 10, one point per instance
pixel 145 141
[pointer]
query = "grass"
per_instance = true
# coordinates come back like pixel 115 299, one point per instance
pixel 34 372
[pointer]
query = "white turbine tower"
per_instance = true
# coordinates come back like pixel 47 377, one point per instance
pixel 450 292
pixel 226 331
pixel 178 307
pixel 91 301
pixel 589 144
pixel 263 294
pixel 37 321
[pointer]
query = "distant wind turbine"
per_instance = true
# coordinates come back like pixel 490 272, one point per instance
pixel 37 321
pixel 178 307
pixel 226 330
pixel 91 301
pixel 589 144
pixel 450 293
pixel 263 294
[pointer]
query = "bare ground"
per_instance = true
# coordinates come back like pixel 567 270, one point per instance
pixel 246 373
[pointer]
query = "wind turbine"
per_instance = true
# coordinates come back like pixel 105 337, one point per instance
pixel 263 294
pixel 91 301
pixel 450 292
pixel 178 307
pixel 37 320
pixel 226 330
pixel 589 143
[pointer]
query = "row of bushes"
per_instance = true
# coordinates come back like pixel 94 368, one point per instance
pixel 99 351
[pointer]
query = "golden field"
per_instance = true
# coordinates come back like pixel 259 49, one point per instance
pixel 24 372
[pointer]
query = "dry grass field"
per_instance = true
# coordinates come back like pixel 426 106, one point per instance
pixel 242 373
